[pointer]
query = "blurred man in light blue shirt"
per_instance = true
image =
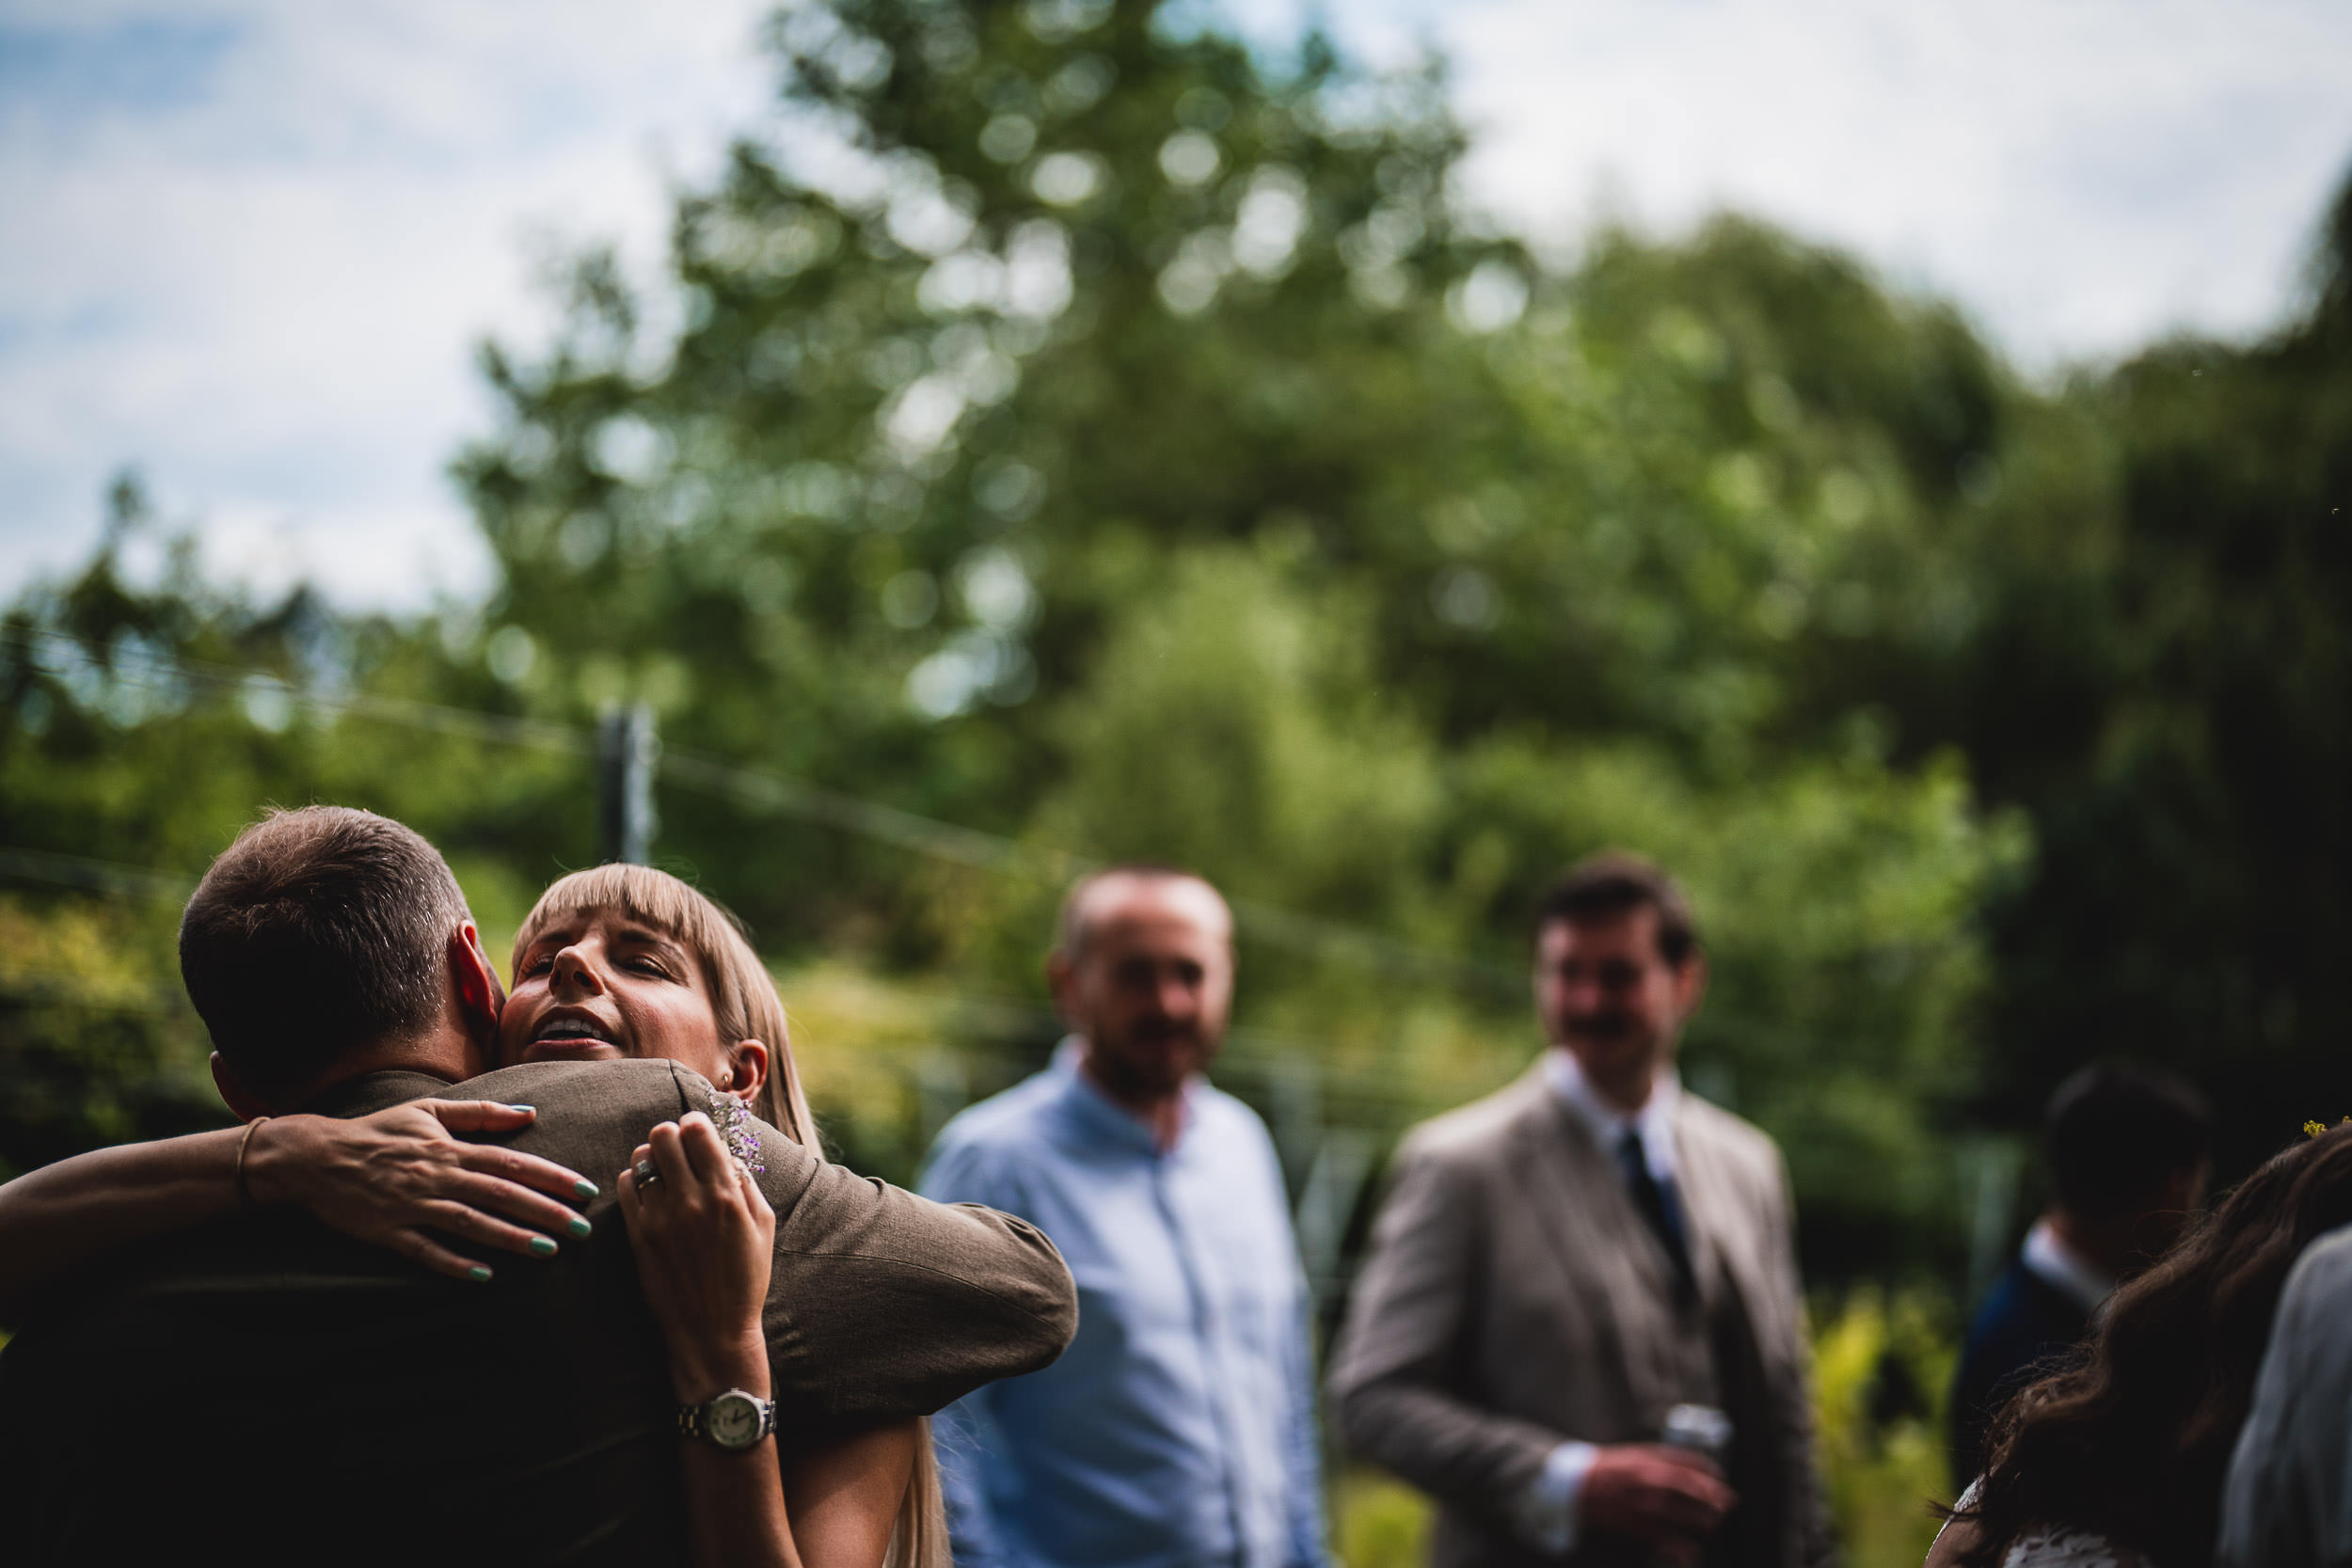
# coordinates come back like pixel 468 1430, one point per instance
pixel 1178 1430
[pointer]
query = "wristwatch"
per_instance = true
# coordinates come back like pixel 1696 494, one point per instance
pixel 734 1420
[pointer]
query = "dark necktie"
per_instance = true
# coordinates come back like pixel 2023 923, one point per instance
pixel 1658 1208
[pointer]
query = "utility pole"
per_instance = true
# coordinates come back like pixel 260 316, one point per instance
pixel 627 751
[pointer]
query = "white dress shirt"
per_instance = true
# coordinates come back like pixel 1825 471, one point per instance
pixel 1550 1513
pixel 2065 1270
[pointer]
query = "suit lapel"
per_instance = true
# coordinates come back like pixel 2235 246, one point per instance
pixel 1709 1207
pixel 1723 1245
pixel 1751 1331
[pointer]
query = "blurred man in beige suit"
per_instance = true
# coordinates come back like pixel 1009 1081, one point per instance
pixel 1561 1265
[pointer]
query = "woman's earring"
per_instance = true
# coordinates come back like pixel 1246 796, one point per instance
pixel 726 1078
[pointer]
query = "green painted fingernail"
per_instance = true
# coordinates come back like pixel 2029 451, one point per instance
pixel 580 1228
pixel 586 1188
pixel 479 1274
pixel 532 1109
pixel 542 1246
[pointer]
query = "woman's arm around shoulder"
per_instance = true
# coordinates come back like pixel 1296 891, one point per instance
pixel 392 1179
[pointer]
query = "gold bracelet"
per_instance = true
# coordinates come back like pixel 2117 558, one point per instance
pixel 245 1194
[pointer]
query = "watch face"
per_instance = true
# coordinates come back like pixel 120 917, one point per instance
pixel 734 1420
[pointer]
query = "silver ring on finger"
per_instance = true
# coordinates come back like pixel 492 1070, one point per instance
pixel 647 1174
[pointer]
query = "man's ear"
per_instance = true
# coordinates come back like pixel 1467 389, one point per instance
pixel 748 1064
pixel 1691 984
pixel 234 1093
pixel 475 986
pixel 1061 978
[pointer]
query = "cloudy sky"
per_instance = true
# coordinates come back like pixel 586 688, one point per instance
pixel 252 244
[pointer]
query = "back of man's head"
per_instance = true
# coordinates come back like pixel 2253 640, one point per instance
pixel 318 933
pixel 2117 1133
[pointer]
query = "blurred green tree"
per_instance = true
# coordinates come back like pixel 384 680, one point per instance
pixel 2159 671
pixel 1082 429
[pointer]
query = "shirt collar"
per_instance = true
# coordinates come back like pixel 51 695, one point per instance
pixel 2065 1270
pixel 373 1092
pixel 1104 1117
pixel 1608 1124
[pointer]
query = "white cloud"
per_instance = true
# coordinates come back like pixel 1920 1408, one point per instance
pixel 2083 177
pixel 255 244
pixel 356 554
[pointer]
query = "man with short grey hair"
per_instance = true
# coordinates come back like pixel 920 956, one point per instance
pixel 1178 1430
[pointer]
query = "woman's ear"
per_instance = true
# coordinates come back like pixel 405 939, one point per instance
pixel 747 1069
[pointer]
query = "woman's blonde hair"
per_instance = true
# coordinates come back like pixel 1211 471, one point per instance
pixel 745 1004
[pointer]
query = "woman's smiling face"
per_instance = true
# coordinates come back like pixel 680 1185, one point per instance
pixel 601 985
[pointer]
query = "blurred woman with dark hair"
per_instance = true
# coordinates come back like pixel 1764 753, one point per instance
pixel 2118 1460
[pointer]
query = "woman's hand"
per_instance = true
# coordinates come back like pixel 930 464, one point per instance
pixel 705 1239
pixel 397 1176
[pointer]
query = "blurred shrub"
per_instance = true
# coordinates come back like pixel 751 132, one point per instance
pixel 1882 1370
pixel 1379 1522
pixel 98 1043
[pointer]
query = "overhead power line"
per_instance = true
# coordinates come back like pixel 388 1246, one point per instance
pixel 776 792
pixel 132 881
pixel 761 789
